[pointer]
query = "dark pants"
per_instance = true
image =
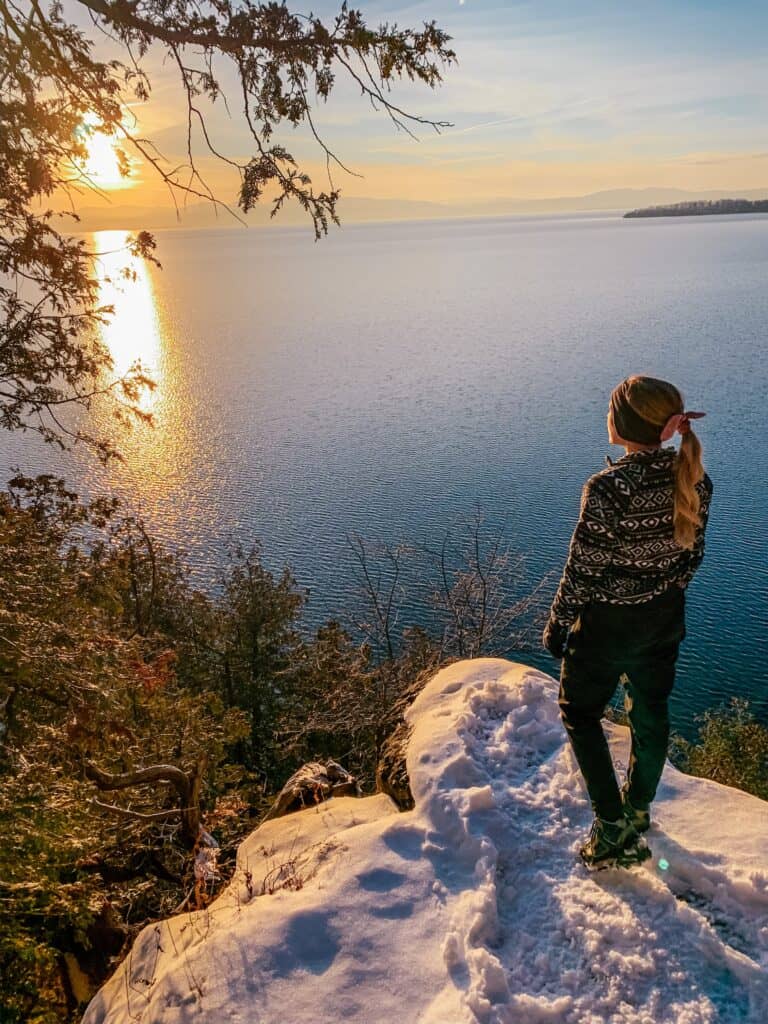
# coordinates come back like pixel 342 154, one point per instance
pixel 608 640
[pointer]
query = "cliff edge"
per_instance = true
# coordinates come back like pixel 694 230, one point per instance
pixel 473 906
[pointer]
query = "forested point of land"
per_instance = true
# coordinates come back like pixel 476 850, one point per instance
pixel 702 207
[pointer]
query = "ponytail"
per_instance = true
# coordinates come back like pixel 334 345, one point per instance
pixel 688 472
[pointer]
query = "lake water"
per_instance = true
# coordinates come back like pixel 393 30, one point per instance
pixel 391 379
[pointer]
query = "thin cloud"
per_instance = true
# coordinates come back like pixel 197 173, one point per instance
pixel 716 160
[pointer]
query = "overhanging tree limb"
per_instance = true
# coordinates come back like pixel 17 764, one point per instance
pixel 55 93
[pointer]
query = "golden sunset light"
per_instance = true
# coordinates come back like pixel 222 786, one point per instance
pixel 368 373
pixel 102 166
pixel 132 334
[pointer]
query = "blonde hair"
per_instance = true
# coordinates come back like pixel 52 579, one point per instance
pixel 656 400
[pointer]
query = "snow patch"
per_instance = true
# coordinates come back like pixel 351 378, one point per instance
pixel 472 908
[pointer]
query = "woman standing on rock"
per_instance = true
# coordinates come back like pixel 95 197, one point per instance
pixel 619 612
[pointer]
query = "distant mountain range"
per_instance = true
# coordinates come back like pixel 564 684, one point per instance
pixel 355 210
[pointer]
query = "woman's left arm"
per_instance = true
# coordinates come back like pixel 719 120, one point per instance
pixel 591 550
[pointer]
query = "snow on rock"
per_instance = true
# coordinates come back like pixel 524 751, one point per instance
pixel 473 908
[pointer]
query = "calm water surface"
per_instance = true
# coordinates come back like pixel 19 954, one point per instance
pixel 390 379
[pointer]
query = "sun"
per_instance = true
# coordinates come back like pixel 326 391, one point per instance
pixel 102 166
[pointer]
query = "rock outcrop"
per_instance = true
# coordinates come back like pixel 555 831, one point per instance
pixel 472 907
pixel 310 785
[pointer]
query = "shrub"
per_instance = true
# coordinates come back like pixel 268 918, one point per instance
pixel 732 748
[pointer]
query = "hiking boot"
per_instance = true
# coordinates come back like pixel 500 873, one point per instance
pixel 613 844
pixel 640 818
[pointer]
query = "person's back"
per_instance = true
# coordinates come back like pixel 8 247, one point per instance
pixel 627 520
pixel 619 611
pixel 641 489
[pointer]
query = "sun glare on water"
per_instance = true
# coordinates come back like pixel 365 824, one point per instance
pixel 139 330
pixel 132 333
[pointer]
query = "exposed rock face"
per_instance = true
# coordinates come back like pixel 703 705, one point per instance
pixel 391 771
pixel 310 785
pixel 473 907
pixel 86 965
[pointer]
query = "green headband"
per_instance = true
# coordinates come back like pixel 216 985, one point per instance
pixel 630 425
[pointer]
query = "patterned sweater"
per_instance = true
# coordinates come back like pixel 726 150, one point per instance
pixel 622 550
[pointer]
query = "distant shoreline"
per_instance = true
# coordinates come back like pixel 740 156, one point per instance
pixel 116 216
pixel 703 208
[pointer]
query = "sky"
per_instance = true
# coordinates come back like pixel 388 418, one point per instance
pixel 547 99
